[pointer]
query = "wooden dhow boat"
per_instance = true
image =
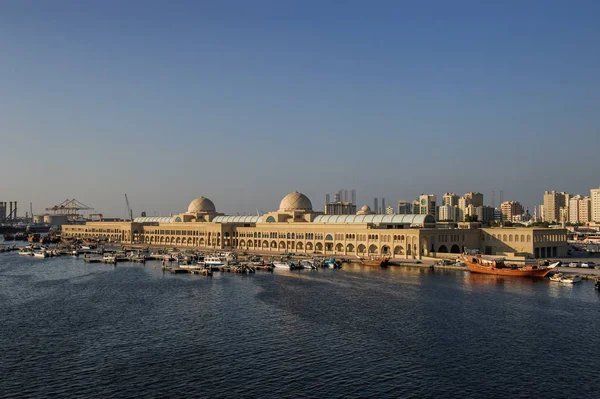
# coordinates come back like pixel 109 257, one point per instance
pixel 486 264
pixel 376 261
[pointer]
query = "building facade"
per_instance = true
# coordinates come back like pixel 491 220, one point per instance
pixel 510 210
pixel 595 204
pixel 554 205
pixel 427 204
pixel 295 227
pixel 340 208
pixel 404 208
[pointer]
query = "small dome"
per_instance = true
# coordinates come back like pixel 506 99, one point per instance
pixel 365 210
pixel 295 202
pixel 200 205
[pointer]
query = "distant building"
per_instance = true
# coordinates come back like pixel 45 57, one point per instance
pixel 2 211
pixel 450 199
pixel 580 209
pixel 447 213
pixel 327 198
pixel 383 205
pixel 475 199
pixel 389 210
pixel 340 208
pixel 510 210
pixel 354 196
pixel 427 204
pixel 416 207
pixel 469 199
pixel 404 207
pixel 375 205
pixel 595 204
pixel 553 203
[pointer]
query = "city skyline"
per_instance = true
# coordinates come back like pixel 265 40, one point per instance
pixel 243 104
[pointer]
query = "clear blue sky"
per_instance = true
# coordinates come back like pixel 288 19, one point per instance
pixel 244 101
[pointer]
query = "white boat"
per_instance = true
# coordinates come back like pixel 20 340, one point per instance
pixel 26 252
pixel 214 261
pixel 571 279
pixel 564 278
pixel 40 254
pixel 109 258
pixel 281 265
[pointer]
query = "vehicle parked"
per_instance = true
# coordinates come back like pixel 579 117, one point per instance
pixel 589 265
pixel 574 264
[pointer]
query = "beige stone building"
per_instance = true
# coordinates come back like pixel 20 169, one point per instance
pixel 296 228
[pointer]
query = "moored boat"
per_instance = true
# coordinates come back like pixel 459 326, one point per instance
pixel 376 261
pixel 496 265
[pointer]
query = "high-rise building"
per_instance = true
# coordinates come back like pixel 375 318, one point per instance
pixel 327 199
pixel 389 210
pixel 340 208
pixel 383 208
pixel 553 202
pixel 404 208
pixel 353 197
pixel 595 203
pixel 375 205
pixel 580 209
pixel 428 204
pixel 416 207
pixel 475 199
pixel 447 213
pixel 450 199
pixel 510 210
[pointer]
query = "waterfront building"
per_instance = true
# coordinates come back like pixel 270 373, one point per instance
pixel 526 241
pixel 404 207
pixel 340 208
pixel 389 210
pixel 553 202
pixel 510 210
pixel 295 227
pixel 595 204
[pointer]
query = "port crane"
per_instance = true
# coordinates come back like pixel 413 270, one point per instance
pixel 129 210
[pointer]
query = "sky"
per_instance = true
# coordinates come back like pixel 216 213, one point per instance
pixel 245 101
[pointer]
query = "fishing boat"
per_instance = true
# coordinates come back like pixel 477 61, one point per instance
pixel 571 279
pixel 214 261
pixel 486 264
pixel 281 265
pixel 26 252
pixel 376 261
pixel 40 254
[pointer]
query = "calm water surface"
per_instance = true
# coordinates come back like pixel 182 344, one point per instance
pixel 69 329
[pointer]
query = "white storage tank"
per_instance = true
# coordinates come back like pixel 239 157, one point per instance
pixel 56 220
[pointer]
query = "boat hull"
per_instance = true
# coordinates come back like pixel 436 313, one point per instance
pixel 506 271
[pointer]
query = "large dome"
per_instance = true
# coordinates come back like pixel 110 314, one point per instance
pixel 295 202
pixel 200 205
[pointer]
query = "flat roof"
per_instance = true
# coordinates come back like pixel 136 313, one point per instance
pixel 385 219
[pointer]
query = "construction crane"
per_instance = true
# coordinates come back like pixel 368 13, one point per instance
pixel 129 211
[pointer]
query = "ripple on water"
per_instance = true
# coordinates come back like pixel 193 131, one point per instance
pixel 77 330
